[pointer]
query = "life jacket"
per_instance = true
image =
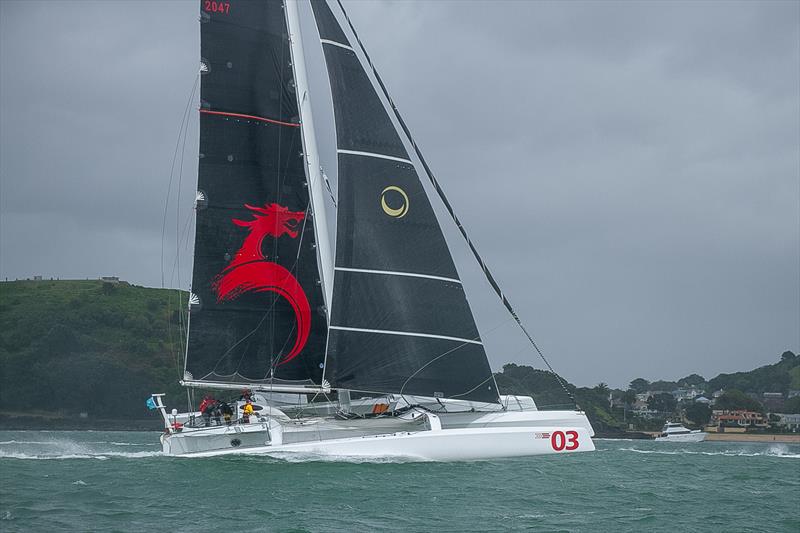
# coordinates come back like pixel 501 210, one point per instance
pixel 204 405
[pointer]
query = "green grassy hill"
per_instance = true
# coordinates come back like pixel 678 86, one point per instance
pixel 68 347
pixel 782 376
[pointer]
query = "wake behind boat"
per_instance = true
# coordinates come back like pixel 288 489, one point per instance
pixel 308 288
pixel 676 432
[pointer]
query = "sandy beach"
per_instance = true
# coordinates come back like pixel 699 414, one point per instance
pixel 787 438
pixel 753 437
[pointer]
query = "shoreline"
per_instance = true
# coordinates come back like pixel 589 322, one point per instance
pixel 32 422
pixel 783 438
pixel 40 423
pixel 786 438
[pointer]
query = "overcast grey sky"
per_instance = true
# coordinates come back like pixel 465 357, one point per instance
pixel 630 171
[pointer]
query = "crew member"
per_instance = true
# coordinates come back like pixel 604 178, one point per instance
pixel 227 412
pixel 206 407
pixel 247 412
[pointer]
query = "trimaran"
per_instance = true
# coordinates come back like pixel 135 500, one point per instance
pixel 336 302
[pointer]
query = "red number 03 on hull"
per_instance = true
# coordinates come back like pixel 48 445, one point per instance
pixel 561 440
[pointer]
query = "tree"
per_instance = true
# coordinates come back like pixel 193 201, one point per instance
pixel 778 377
pixel 794 378
pixel 542 385
pixel 792 406
pixel 662 402
pixel 698 413
pixel 602 388
pixel 662 385
pixel 629 397
pixel 692 380
pixel 735 399
pixel 640 385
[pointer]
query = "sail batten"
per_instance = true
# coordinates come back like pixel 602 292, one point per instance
pixel 373 154
pixel 334 43
pixel 396 273
pixel 250 117
pixel 408 334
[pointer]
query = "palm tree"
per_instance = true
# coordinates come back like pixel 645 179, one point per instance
pixel 602 388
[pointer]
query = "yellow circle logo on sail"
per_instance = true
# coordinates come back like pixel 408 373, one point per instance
pixel 398 212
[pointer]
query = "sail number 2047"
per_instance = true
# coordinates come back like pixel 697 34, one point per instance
pixel 217 7
pixel 564 440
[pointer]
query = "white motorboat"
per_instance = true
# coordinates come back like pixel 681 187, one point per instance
pixel 312 285
pixel 676 432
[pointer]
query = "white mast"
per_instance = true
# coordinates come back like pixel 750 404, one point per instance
pixel 313 169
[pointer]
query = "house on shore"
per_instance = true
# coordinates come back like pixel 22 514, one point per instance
pixel 788 422
pixel 749 420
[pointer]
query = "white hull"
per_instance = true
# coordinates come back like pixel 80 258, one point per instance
pixel 694 436
pixel 442 445
pixel 418 435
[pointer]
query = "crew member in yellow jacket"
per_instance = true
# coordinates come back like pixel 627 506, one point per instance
pixel 247 412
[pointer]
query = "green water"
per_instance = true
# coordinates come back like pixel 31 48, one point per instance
pixel 118 481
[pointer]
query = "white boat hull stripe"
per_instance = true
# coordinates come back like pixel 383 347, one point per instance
pixel 334 43
pixel 407 333
pixel 394 273
pixel 379 156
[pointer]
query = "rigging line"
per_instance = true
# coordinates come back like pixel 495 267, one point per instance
pixel 266 314
pixel 478 405
pixel 237 343
pixel 180 308
pixel 185 239
pixel 175 263
pixel 274 360
pixel 181 129
pixel 300 412
pixel 280 175
pixel 490 278
pixel 182 311
pixel 182 336
pixel 172 173
pixel 178 216
pixel 420 369
pixel 475 387
pixel 182 132
pixel 311 402
pixel 177 355
pixel 173 353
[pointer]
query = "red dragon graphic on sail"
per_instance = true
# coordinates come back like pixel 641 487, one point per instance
pixel 251 271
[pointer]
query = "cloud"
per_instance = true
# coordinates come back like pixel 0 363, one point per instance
pixel 628 170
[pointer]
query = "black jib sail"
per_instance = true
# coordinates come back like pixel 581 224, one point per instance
pixel 256 313
pixel 400 321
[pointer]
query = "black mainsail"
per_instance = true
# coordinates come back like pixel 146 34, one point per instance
pixel 257 313
pixel 400 321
